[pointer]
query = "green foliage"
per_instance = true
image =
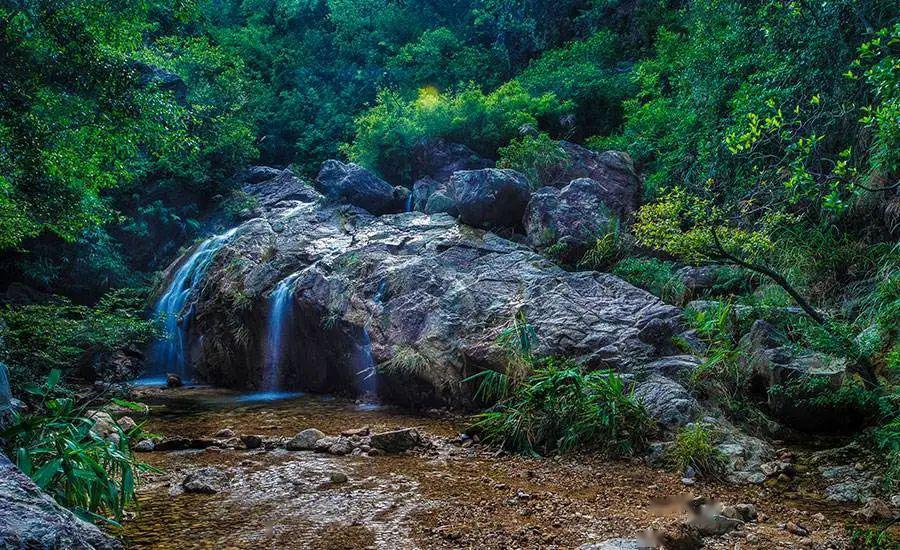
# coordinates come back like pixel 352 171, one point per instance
pixel 694 447
pixel 407 361
pixel 560 408
pixel 387 132
pixel 653 275
pixel 62 335
pixel 534 156
pixel 607 249
pixel 56 447
pixel 836 409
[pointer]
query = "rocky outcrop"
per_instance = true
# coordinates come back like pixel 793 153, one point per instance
pixel 270 186
pixel 31 519
pixel 612 170
pixel 425 288
pixel 353 184
pixel 489 198
pixel 439 159
pixel 571 218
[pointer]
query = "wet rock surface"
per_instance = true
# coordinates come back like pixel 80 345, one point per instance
pixel 31 519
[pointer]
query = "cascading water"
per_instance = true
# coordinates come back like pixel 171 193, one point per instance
pixel 365 380
pixel 5 393
pixel 168 355
pixel 280 314
pixel 409 201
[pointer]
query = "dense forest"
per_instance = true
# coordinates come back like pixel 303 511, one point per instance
pixel 766 135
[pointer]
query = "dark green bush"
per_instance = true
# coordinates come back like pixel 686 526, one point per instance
pixel 63 335
pixel 694 447
pixel 655 276
pixel 559 407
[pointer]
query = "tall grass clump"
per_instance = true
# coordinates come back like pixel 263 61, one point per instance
pixel 559 407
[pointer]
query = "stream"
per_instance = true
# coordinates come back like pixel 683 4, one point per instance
pixel 443 496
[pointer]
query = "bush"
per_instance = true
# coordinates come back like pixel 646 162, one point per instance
pixel 694 448
pixel 387 133
pixel 534 156
pixel 62 335
pixel 812 403
pixel 56 447
pixel 655 276
pixel 560 408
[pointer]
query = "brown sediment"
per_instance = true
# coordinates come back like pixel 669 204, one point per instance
pixel 444 497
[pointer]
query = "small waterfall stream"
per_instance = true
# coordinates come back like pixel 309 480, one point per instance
pixel 280 315
pixel 168 355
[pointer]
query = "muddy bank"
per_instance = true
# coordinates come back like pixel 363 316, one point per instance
pixel 445 496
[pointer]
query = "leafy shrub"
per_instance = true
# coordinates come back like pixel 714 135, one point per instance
pixel 653 275
pixel 812 403
pixel 63 335
pixel 694 448
pixel 388 131
pixel 534 156
pixel 560 408
pixel 607 249
pixel 56 447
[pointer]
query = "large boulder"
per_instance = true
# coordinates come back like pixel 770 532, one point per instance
pixel 31 519
pixel 776 363
pixel 353 184
pixel 573 217
pixel 439 159
pixel 667 401
pixel 271 186
pixel 438 294
pixel 779 367
pixel 613 170
pixel 489 198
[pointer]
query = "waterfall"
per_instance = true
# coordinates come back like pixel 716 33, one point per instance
pixel 5 393
pixel 365 381
pixel 168 355
pixel 280 313
pixel 409 201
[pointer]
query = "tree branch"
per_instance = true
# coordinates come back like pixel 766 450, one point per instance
pixel 776 277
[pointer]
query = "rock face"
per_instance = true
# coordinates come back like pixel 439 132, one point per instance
pixel 489 198
pixel 612 170
pixel 31 519
pixel 438 159
pixel 776 364
pixel 353 184
pixel 270 186
pixel 667 401
pixel 369 289
pixel 574 217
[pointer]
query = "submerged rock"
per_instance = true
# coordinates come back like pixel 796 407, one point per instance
pixel 396 441
pixel 31 519
pixel 207 480
pixel 305 440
